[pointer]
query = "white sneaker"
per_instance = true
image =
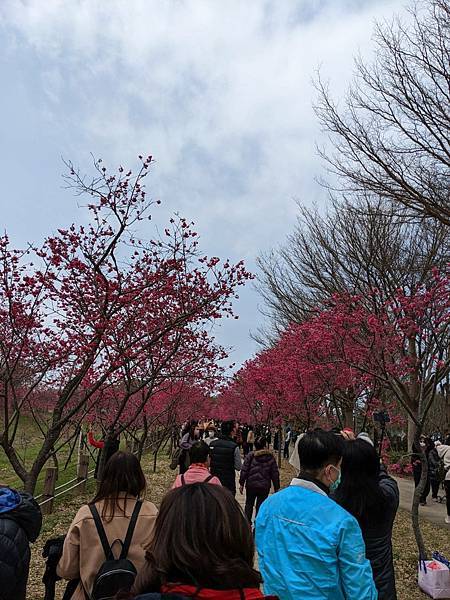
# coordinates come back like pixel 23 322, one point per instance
pixel 447 520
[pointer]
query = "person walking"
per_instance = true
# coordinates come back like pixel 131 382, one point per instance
pixel 294 459
pixel 117 500
pixel 20 524
pixel 202 548
pixel 258 472
pixel 225 456
pixel 198 470
pixel 287 443
pixel 309 546
pixel 443 451
pixel 189 438
pixel 211 436
pixel 106 449
pixel 250 439
pixel 369 494
pixel 244 434
pixel 433 468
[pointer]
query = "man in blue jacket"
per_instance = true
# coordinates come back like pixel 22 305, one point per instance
pixel 309 546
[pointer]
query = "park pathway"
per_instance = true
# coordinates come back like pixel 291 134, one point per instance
pixel 433 511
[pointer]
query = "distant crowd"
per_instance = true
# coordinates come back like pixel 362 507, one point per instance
pixel 326 536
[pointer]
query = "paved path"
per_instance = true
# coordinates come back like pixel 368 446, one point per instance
pixel 433 512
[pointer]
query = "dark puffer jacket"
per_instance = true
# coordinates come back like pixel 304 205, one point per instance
pixel 377 534
pixel 20 524
pixel 222 461
pixel 259 471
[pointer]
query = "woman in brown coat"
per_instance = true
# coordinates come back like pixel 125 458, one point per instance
pixel 122 485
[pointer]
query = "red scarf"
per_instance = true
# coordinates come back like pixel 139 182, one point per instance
pixel 207 594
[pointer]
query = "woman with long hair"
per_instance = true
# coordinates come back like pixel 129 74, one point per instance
pixel 369 494
pixel 119 497
pixel 190 435
pixel 202 548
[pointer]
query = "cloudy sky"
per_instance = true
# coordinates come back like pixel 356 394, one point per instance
pixel 220 93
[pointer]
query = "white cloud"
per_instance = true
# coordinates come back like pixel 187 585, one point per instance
pixel 219 92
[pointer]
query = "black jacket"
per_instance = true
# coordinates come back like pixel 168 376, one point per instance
pixel 19 525
pixel 377 534
pixel 222 461
pixel 433 464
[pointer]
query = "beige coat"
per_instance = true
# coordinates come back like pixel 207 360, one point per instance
pixel 83 554
pixel 444 454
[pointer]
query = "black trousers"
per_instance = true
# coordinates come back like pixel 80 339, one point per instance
pixel 426 491
pixel 434 487
pixel 447 493
pixel 286 450
pixel 250 497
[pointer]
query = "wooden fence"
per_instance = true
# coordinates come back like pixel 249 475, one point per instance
pixel 52 491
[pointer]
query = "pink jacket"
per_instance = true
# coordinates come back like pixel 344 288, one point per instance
pixel 196 473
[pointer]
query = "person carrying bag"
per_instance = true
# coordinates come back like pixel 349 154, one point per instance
pixel 115 574
pixel 117 513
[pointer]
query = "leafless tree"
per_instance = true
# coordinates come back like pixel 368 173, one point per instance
pixel 392 136
pixel 353 248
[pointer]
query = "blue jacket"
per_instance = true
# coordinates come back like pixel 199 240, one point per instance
pixel 310 547
pixel 20 524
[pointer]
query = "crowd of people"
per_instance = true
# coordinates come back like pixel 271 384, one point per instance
pixel 437 455
pixel 326 536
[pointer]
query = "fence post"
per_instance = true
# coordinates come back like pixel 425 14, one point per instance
pixel 82 472
pixel 49 489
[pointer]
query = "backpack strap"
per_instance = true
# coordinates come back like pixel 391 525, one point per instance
pixel 208 478
pixel 101 532
pixel 130 530
pixel 183 481
pixel 70 589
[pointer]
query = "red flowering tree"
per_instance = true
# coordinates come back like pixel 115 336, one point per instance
pixel 96 307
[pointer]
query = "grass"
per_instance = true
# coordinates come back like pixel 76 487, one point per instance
pixel 28 444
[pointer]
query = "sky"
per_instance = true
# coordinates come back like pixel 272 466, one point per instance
pixel 220 93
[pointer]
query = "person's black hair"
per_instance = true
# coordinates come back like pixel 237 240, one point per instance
pixel 359 491
pixel 198 452
pixel 201 538
pixel 260 443
pixel 227 427
pixel 317 449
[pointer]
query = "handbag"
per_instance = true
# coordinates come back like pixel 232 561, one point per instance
pixel 434 577
pixel 175 459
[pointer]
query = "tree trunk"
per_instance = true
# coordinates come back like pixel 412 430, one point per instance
pixel 348 417
pixel 142 440
pixel 411 433
pixel 29 484
pixel 280 445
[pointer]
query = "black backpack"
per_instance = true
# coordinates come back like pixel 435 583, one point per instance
pixel 115 574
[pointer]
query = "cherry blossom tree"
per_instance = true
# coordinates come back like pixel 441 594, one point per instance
pixel 96 306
